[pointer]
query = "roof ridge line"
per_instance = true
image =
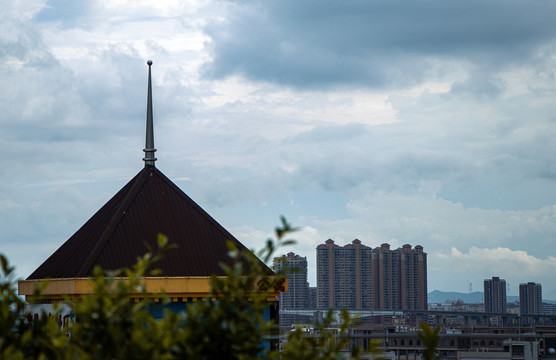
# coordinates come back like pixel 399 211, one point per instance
pixel 202 211
pixel 116 217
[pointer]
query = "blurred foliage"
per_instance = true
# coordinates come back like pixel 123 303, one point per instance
pixel 114 322
pixel 430 339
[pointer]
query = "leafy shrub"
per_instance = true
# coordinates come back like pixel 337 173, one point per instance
pixel 229 324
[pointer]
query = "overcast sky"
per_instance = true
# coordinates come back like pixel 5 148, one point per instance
pixel 429 123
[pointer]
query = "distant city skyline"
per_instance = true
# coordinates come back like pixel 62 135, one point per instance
pixel 303 259
pixel 403 122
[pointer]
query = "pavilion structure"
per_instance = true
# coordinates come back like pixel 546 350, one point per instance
pixel 117 234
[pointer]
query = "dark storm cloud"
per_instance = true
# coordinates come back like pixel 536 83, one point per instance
pixel 372 43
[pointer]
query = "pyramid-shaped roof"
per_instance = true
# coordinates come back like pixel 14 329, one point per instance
pixel 149 204
pixel 116 235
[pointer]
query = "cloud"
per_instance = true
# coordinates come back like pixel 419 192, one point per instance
pixel 55 116
pixel 67 14
pixel 322 44
pixel 437 223
pixel 480 263
pixel 494 154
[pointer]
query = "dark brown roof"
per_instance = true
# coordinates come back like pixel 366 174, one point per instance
pixel 116 235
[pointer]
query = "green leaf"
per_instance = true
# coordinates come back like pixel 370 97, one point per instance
pixel 162 240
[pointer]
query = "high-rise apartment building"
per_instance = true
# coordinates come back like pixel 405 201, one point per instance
pixel 413 278
pixel 356 276
pixel 312 297
pixel 344 276
pixel 530 299
pixel 495 295
pixel 298 295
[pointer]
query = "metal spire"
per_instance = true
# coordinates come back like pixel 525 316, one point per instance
pixel 149 149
